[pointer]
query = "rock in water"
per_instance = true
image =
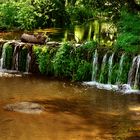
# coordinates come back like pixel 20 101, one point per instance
pixel 124 87
pixel 38 39
pixel 25 107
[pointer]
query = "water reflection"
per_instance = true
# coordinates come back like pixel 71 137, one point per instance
pixel 103 32
pixel 73 112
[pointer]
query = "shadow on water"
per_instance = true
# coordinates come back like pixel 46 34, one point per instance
pixel 72 112
pixel 111 117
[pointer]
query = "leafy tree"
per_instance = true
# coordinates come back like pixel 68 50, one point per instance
pixel 8 12
pixel 50 12
pixel 129 32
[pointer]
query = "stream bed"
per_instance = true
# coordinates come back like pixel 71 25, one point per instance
pixel 71 111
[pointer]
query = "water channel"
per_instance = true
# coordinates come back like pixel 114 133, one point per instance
pixel 103 32
pixel 72 111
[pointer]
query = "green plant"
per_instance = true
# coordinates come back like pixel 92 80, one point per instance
pixel 63 62
pixel 50 13
pixel 23 59
pixel 44 56
pixel 129 32
pixel 26 16
pixel 79 14
pixel 83 72
pixel 8 12
pixel 7 60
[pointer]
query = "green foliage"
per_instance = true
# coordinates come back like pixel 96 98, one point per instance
pixel 63 62
pixel 22 59
pixel 83 72
pixel 79 14
pixel 44 57
pixel 129 33
pixel 103 78
pixel 7 60
pixel 8 12
pixel 74 63
pixel 50 13
pixel 26 16
pixel 86 50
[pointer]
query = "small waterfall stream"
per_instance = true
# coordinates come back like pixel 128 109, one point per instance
pixel 103 66
pixel 28 61
pixel 106 68
pixel 95 66
pixel 137 72
pixel 15 59
pixel 12 59
pixel 118 81
pixel 133 71
pixel 2 58
pixel 110 63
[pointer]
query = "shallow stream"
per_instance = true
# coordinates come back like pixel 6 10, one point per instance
pixel 72 112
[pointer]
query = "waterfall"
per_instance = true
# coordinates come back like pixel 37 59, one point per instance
pixel 120 68
pixel 16 62
pixel 15 58
pixel 137 72
pixel 28 62
pixel 103 65
pixel 110 63
pixel 95 66
pixel 132 71
pixel 2 58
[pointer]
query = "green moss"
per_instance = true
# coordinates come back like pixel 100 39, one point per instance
pixel 7 60
pixel 22 59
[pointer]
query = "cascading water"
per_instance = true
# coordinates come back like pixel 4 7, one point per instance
pixel 107 68
pixel 118 81
pixel 137 72
pixel 110 63
pixel 16 63
pixel 28 61
pixel 103 66
pixel 132 72
pixel 95 66
pixel 2 58
pixel 15 59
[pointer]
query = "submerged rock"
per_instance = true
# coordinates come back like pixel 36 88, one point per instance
pixel 124 87
pixel 25 107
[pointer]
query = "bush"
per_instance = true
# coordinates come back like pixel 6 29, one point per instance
pixel 50 13
pixel 63 61
pixel 79 14
pixel 44 58
pixel 26 16
pixel 67 61
pixel 129 32
pixel 74 63
pixel 8 12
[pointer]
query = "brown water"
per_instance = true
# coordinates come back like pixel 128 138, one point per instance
pixel 72 112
